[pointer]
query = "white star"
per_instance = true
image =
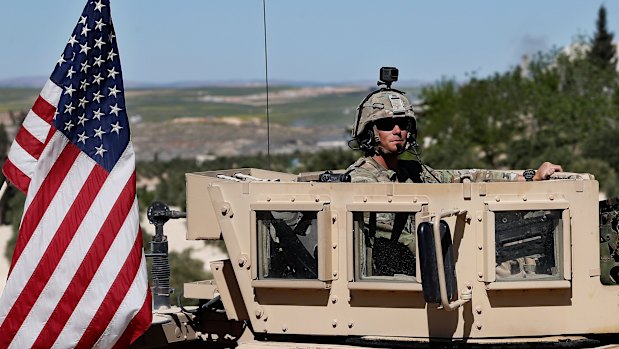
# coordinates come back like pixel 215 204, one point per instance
pixel 116 127
pixel 82 120
pixel 82 137
pixel 111 73
pixel 99 24
pixel 61 60
pixel 97 79
pixel 69 108
pixel 84 48
pixel 112 36
pixel 99 132
pixel 100 150
pixel 69 90
pixel 70 72
pixel 56 113
pixel 99 43
pixel 113 91
pixel 99 6
pixel 83 102
pixel 72 40
pixel 85 67
pixel 98 114
pixel 84 85
pixel 85 30
pixel 68 125
pixel 98 61
pixel 82 20
pixel 114 109
pixel 111 55
pixel 97 97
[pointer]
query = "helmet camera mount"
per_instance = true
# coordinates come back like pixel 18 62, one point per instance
pixel 388 75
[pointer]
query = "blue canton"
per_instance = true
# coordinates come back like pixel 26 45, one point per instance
pixel 91 111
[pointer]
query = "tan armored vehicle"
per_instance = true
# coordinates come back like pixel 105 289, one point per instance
pixel 318 262
pixel 494 263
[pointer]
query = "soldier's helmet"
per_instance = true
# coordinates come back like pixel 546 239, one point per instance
pixel 378 105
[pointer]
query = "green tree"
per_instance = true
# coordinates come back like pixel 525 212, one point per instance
pixel 603 52
pixel 560 108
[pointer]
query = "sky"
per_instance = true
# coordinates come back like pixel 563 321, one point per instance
pixel 310 41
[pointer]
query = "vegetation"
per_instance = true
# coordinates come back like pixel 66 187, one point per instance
pixel 560 108
pixel 603 52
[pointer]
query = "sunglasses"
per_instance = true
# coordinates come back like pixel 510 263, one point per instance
pixel 388 124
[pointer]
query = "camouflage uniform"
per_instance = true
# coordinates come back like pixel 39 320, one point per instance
pixel 367 170
pixel 390 258
pixel 475 175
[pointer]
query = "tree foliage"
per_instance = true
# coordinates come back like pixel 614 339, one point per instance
pixel 559 107
pixel 603 52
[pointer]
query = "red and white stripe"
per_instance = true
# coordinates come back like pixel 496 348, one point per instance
pixel 78 275
pixel 30 140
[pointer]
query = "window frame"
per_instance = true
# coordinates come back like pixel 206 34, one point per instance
pixel 325 235
pixel 487 254
pixel 418 208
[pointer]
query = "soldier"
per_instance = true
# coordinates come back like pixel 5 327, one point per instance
pixel 385 128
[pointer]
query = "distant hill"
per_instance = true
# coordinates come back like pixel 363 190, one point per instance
pixel 39 81
pixel 23 82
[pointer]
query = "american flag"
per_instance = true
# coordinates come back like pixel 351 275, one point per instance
pixel 78 275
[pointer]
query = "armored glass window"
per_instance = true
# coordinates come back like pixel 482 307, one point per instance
pixel 287 244
pixel 529 245
pixel 384 246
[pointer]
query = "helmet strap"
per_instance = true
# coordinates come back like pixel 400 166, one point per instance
pixel 376 136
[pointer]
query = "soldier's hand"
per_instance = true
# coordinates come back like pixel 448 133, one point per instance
pixel 546 170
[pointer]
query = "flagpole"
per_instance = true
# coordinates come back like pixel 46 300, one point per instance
pixel 3 189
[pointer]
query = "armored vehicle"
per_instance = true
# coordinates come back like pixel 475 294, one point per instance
pixel 503 264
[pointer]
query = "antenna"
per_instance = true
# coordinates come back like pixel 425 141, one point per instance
pixel 266 80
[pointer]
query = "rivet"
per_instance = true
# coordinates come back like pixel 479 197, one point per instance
pixel 365 199
pixel 224 210
pixel 480 247
pixel 292 199
pixel 333 299
pixel 334 323
pixel 335 273
pixel 334 246
pixel 350 324
pixel 268 198
pixel 497 199
pixel 258 313
pixel 284 328
pixel 478 325
pixel 524 198
pixel 242 261
pixel 480 274
pixel 317 199
pixel 478 309
pixel 551 197
pixel 414 199
pixel 479 218
pixel 390 199
pixel 469 286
